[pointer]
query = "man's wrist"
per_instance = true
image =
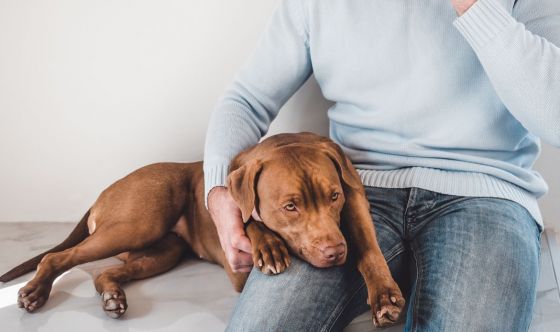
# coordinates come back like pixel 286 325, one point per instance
pixel 212 194
pixel 215 175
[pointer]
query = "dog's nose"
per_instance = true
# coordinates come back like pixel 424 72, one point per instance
pixel 333 253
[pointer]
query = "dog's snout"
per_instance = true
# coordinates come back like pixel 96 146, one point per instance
pixel 333 253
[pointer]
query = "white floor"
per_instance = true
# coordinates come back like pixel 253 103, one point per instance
pixel 195 296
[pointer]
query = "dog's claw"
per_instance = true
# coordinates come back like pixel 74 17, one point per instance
pixel 278 266
pixel 382 312
pixel 287 261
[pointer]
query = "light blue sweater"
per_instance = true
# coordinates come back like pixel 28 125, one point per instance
pixel 422 98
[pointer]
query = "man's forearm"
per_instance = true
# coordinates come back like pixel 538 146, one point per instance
pixel 523 67
pixel 230 131
pixel 278 66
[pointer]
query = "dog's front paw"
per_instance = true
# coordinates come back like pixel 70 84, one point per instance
pixel 270 254
pixel 386 303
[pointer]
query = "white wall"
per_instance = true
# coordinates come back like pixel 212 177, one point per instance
pixel 90 90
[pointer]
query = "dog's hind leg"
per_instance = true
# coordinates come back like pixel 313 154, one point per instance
pixel 103 243
pixel 156 259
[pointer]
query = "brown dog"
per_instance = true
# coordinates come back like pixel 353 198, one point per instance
pixel 301 186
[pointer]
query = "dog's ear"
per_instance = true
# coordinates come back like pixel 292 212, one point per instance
pixel 343 165
pixel 242 184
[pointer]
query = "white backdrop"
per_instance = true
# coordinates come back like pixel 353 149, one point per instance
pixel 90 90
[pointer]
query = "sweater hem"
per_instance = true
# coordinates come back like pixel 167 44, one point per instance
pixel 453 183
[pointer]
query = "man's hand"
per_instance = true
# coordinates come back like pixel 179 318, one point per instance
pixel 461 6
pixel 227 218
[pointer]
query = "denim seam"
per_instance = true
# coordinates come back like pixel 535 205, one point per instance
pixel 399 249
pixel 409 204
pixel 340 308
pixel 539 244
pixel 416 304
pixel 434 214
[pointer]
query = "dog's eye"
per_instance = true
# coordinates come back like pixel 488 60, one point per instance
pixel 290 207
pixel 335 196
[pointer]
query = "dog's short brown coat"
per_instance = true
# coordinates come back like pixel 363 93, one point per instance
pixel 301 185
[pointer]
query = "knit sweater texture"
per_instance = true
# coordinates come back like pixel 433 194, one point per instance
pixel 422 98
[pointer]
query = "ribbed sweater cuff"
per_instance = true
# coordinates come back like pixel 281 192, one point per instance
pixel 482 22
pixel 214 176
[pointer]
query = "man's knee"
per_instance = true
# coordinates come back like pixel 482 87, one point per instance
pixel 483 273
pixel 302 297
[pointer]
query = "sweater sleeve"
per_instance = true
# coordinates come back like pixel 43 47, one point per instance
pixel 276 69
pixel 520 53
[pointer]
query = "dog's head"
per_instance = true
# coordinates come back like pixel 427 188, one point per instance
pixel 298 191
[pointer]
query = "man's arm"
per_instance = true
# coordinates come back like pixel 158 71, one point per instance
pixel 278 67
pixel 521 55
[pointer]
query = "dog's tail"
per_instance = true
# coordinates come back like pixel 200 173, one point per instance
pixel 79 233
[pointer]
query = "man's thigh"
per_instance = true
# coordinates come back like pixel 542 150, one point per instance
pixel 305 298
pixel 477 268
pixel 302 298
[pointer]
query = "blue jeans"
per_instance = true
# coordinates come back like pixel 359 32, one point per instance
pixel 463 263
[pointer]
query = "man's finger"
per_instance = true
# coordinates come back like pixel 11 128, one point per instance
pixel 238 258
pixel 242 268
pixel 242 242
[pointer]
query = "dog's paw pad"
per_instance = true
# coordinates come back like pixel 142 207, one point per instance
pixel 114 303
pixel 387 304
